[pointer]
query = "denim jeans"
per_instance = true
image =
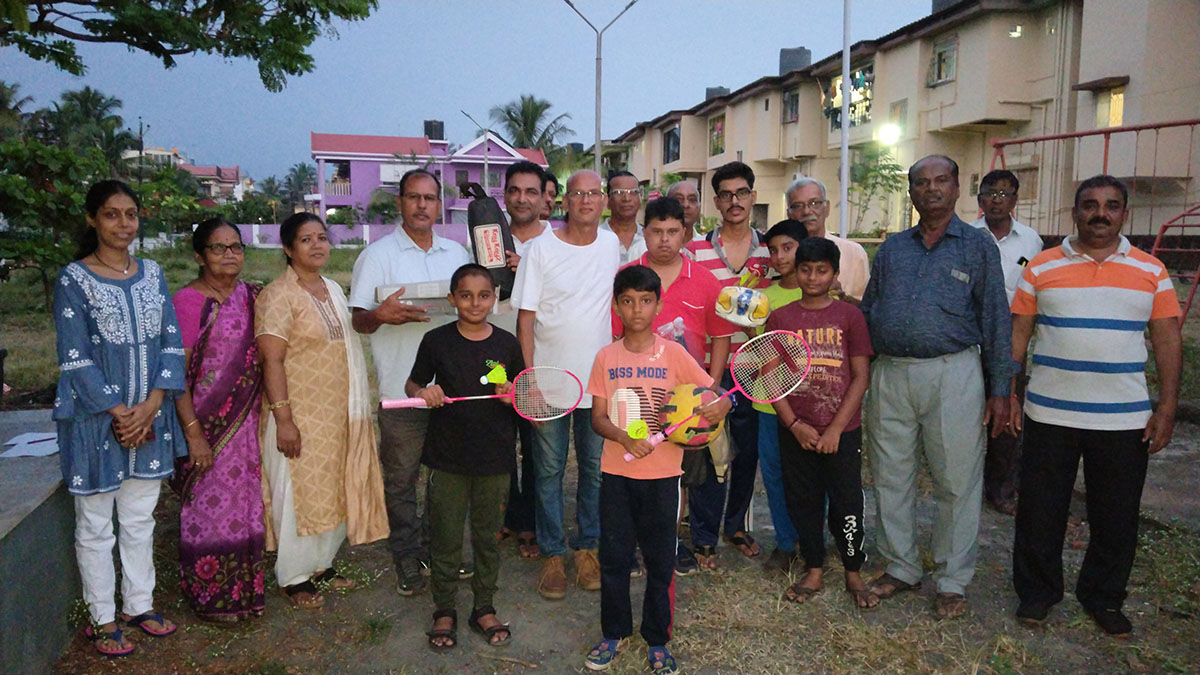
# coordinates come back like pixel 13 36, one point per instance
pixel 772 475
pixel 550 445
pixel 707 502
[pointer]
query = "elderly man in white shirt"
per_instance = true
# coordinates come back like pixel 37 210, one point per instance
pixel 412 254
pixel 1018 244
pixel 808 203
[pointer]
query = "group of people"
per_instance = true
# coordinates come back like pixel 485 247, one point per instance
pixel 256 400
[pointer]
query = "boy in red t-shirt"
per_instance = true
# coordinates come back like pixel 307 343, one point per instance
pixel 820 440
pixel 639 500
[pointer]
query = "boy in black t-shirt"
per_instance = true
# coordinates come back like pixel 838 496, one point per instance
pixel 470 449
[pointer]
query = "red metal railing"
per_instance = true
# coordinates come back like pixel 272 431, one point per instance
pixel 1180 257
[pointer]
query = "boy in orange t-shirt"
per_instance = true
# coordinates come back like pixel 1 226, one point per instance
pixel 639 500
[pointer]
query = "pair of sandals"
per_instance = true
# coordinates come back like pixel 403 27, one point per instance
pixel 527 545
pixel 112 643
pixel 800 594
pixel 444 639
pixel 306 595
pixel 706 556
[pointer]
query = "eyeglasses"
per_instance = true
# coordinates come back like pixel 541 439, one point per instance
pixel 998 194
pixel 220 249
pixel 625 192
pixel 726 196
pixel 580 194
pixel 811 205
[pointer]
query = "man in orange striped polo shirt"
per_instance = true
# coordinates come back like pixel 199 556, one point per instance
pixel 1090 300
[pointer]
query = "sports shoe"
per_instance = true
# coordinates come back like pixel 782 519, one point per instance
pixel 635 569
pixel 587 570
pixel 685 561
pixel 602 655
pixel 1112 621
pixel 552 583
pixel 1032 614
pixel 411 581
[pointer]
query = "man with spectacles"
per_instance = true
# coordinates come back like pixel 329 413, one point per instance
pixel 939 322
pixel 563 294
pixel 1018 244
pixel 412 254
pixel 808 202
pixel 624 202
pixel 732 250
pixel 688 195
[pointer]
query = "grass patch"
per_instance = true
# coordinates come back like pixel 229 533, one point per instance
pixel 1189 382
pixel 1167 567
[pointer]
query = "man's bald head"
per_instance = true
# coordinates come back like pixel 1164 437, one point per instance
pixel 582 173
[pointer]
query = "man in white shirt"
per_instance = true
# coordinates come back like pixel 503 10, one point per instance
pixel 808 203
pixel 410 255
pixel 524 200
pixel 624 202
pixel 1018 244
pixel 563 292
pixel 688 195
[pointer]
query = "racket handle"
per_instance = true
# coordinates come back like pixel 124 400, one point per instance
pixel 393 403
pixel 654 442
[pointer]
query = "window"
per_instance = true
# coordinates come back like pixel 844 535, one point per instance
pixel 862 87
pixel 1110 107
pixel 766 104
pixel 898 115
pixel 670 145
pixel 791 107
pixel 942 65
pixel 460 177
pixel 1016 30
pixel 739 155
pixel 716 135
pixel 495 177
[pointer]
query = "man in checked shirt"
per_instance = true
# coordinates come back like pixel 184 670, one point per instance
pixel 938 318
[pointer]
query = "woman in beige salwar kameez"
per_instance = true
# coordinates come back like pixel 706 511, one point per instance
pixel 321 478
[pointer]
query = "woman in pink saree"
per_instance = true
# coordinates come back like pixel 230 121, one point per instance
pixel 222 532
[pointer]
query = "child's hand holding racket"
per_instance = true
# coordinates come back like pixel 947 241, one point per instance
pixel 717 411
pixel 638 447
pixel 433 396
pixel 504 388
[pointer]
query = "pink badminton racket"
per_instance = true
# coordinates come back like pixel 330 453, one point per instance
pixel 539 394
pixel 764 370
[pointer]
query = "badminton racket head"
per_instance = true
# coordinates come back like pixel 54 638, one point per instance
pixel 545 393
pixel 771 366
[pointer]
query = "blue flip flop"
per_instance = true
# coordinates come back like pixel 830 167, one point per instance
pixel 140 620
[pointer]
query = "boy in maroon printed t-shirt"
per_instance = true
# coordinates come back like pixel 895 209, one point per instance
pixel 820 438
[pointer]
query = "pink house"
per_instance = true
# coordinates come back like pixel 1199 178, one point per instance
pixel 353 168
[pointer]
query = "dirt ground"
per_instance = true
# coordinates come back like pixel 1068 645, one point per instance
pixel 728 621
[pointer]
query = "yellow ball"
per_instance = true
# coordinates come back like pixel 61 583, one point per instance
pixel 681 403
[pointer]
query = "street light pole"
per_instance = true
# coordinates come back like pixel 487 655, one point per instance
pixel 141 175
pixel 599 39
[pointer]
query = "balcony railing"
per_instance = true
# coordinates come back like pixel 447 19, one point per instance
pixel 337 189
pixel 860 113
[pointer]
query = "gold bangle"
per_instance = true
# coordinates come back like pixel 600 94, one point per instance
pixel 278 404
pixel 189 424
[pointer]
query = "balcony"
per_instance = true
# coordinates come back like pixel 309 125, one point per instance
pixel 337 188
pixel 860 114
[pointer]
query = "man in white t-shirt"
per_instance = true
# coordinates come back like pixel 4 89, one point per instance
pixel 1018 244
pixel 410 255
pixel 624 202
pixel 808 203
pixel 563 292
pixel 524 200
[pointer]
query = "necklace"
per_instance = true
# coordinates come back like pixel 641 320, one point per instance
pixel 128 262
pixel 218 295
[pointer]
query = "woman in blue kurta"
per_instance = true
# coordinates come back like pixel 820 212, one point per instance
pixel 121 363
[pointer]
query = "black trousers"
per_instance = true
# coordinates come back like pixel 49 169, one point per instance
pixel 635 513
pixel 519 515
pixel 707 501
pixel 808 478
pixel 1114 470
pixel 1001 468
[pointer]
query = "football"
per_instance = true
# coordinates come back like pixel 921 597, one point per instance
pixel 682 403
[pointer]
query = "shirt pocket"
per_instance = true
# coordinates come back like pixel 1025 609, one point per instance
pixel 955 283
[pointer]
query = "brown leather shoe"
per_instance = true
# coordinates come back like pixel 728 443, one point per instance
pixel 587 570
pixel 552 584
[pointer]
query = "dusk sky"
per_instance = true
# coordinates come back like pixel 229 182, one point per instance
pixel 417 60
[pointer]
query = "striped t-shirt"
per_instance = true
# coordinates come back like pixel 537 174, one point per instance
pixel 1089 357
pixel 709 253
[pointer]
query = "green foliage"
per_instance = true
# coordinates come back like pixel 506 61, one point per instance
pixel 254 208
pixel 382 208
pixel 874 176
pixel 275 34
pixel 526 123
pixel 169 201
pixel 301 179
pixel 344 215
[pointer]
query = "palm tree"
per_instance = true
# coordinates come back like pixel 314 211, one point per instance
pixel 10 109
pixel 525 122
pixel 270 188
pixel 113 141
pixel 91 106
pixel 300 180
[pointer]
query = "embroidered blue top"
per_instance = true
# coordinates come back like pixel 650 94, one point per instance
pixel 117 340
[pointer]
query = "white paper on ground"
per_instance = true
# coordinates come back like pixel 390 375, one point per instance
pixel 31 445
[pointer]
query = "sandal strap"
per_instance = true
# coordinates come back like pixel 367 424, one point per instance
pixel 443 613
pixel 306 586
pixel 480 612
